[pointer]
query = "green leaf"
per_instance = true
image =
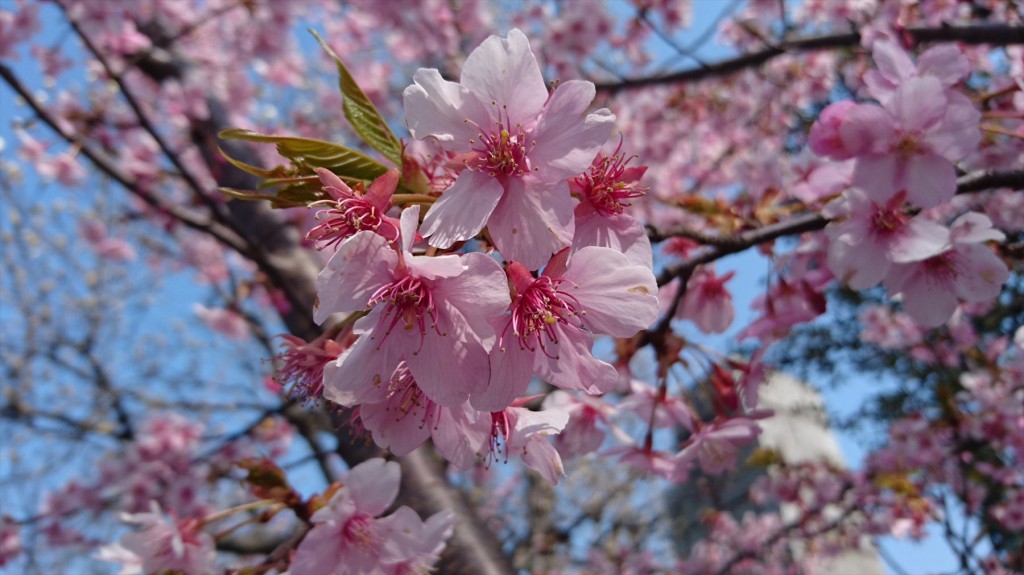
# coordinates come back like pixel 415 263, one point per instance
pixel 292 197
pixel 307 153
pixel 362 114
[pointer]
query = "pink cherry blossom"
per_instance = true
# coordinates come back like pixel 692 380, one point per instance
pixel 352 212
pixel 347 538
pixel 944 62
pixel 412 546
pixel 223 321
pixel 716 445
pixel 553 319
pixel 519 431
pixel 521 146
pixel 401 417
pixel 164 545
pixel 707 302
pixel 432 312
pixel 867 238
pixel 114 249
pixel 967 271
pixel 604 192
pixel 910 144
pixel 10 541
pixel 581 435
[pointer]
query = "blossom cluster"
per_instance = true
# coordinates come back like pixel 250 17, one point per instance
pixel 449 340
pixel 903 152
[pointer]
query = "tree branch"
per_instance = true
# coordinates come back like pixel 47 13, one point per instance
pixel 994 34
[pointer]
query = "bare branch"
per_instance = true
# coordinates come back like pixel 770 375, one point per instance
pixel 992 34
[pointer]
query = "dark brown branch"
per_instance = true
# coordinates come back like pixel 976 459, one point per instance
pixel 994 34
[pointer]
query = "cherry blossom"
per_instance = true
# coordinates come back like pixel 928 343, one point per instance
pixel 520 146
pixel 967 270
pixel 872 236
pixel 163 545
pixel 431 312
pixel 352 212
pixel 553 319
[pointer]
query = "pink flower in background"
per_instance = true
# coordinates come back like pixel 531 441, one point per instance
pixel 581 435
pixel 114 249
pixel 520 145
pixel 911 142
pixel 352 211
pixel 826 136
pixel 10 540
pixel 432 312
pixel 867 238
pixel 944 62
pixel 223 321
pixel 967 270
pixel 716 445
pixel 163 545
pixel 707 302
pixel 553 320
pixel 347 537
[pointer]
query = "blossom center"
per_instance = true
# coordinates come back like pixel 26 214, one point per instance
pixel 604 186
pixel 408 300
pixel 538 311
pixel 349 217
pixel 886 221
pixel 405 397
pixel 360 530
pixel 501 150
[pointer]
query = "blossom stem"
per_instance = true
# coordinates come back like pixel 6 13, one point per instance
pixel 224 513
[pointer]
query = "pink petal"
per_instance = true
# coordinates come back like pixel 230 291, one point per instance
pixel 866 129
pixel 930 303
pixel 892 60
pixel 463 209
pixel 856 265
pixel 920 240
pixel 566 141
pixel 929 180
pixel 435 107
pixel 619 298
pixel 532 221
pixel 974 228
pixel 876 175
pixel 543 458
pixel 945 62
pixel 356 374
pixel 918 104
pixel 476 296
pixel 621 233
pixel 574 366
pixel 459 435
pixel 957 135
pixel 983 276
pixel 361 265
pixel 505 71
pixel 449 367
pixel 511 371
pixel 373 485
pixel 398 433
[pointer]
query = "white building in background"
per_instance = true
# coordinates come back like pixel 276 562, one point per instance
pixel 799 432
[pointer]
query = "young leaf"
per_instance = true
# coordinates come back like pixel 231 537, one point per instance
pixel 308 153
pixel 362 114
